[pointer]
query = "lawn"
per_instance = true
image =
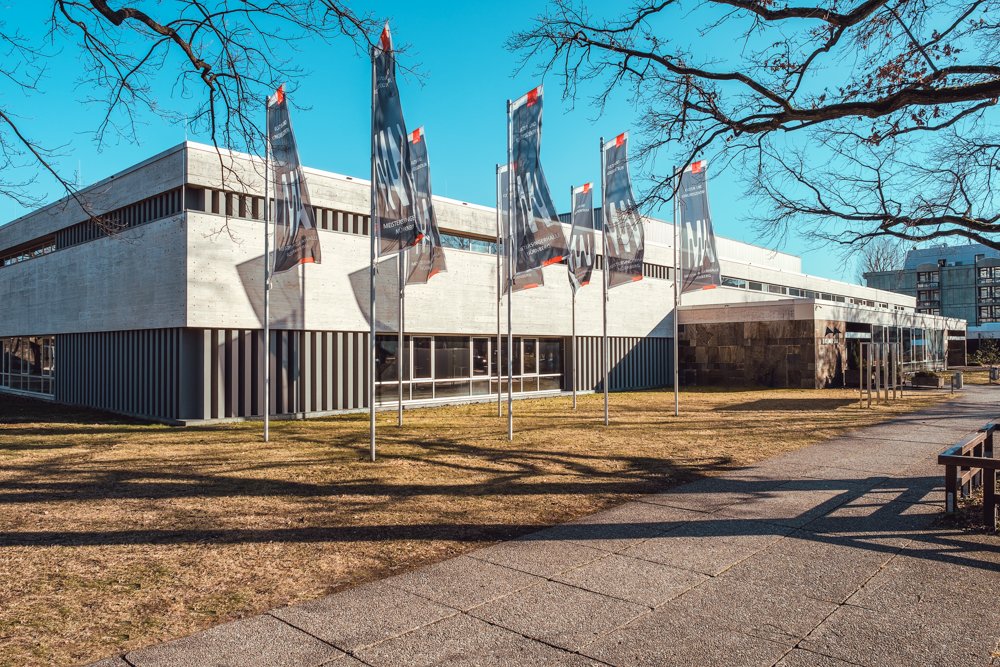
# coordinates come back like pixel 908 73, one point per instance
pixel 116 535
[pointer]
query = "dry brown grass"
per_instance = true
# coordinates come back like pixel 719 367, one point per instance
pixel 115 535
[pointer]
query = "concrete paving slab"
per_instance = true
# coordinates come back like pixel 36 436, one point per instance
pixel 545 554
pixel 259 641
pixel 464 582
pixel 938 583
pixel 364 615
pixel 801 658
pixel 714 493
pixel 620 527
pixel 877 639
pixel 821 567
pixel 792 506
pixel 879 514
pixel 560 615
pixel 781 615
pixel 709 546
pixel 461 641
pixel 665 637
pixel 639 581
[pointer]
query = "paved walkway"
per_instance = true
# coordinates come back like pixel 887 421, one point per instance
pixel 826 556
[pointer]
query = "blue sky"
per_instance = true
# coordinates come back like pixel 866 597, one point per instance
pixel 468 74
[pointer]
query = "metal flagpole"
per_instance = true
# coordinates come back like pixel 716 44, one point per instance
pixel 499 299
pixel 511 196
pixel 677 302
pixel 371 281
pixel 573 359
pixel 266 353
pixel 606 269
pixel 399 340
pixel 572 365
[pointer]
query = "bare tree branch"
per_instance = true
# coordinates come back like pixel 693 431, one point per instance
pixel 844 119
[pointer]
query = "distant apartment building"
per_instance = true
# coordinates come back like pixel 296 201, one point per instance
pixel 952 281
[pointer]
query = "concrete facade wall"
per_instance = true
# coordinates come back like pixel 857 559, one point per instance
pixel 133 280
pixel 157 174
pixel 225 279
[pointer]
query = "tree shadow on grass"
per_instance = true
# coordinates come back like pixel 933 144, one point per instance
pixel 787 405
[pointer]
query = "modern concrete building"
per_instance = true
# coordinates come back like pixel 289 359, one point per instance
pixel 953 281
pixel 163 317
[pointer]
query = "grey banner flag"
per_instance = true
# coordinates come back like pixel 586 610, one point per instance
pixel 699 258
pixel 581 239
pixel 395 211
pixel 538 235
pixel 527 279
pixel 425 259
pixel 623 228
pixel 296 239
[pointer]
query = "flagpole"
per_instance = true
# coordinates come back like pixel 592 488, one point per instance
pixel 606 267
pixel 371 279
pixel 267 281
pixel 511 195
pixel 677 299
pixel 399 341
pixel 572 286
pixel 499 299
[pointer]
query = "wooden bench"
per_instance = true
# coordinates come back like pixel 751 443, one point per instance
pixel 969 464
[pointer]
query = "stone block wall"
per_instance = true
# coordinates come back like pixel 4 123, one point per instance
pixel 779 353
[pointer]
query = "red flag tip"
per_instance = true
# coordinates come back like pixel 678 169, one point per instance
pixel 709 287
pixel 416 135
pixel 385 40
pixel 698 166
pixel 620 139
pixel 586 187
pixel 279 94
pixel 533 95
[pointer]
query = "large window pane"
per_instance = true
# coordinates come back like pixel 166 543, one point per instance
pixel 517 357
pixel 530 356
pixel 549 383
pixel 386 359
pixel 549 356
pixel 451 389
pixel 422 357
pixel 480 356
pixel 451 358
pixel 423 390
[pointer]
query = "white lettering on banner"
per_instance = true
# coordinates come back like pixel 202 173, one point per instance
pixel 697 243
pixel 293 210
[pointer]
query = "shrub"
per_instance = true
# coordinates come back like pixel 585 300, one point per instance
pixel 988 353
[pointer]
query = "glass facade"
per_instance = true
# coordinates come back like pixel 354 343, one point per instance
pixel 28 363
pixel 443 367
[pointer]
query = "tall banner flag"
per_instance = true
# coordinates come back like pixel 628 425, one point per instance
pixel 581 239
pixel 395 212
pixel 623 228
pixel 425 259
pixel 526 279
pixel 699 259
pixel 538 235
pixel 296 239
